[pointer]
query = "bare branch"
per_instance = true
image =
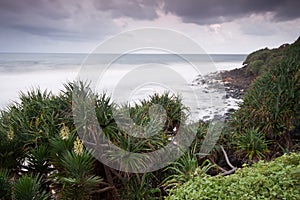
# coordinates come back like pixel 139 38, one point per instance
pixel 226 158
pixel 225 172
pixel 104 189
pixel 229 172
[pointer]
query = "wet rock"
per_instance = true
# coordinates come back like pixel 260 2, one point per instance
pixel 206 117
pixel 234 82
pixel 231 110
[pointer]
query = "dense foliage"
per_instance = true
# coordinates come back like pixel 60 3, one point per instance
pixel 263 60
pixel 42 154
pixel 270 112
pixel 39 152
pixel 265 127
pixel 278 179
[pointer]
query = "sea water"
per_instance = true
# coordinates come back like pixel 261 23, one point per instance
pixel 126 78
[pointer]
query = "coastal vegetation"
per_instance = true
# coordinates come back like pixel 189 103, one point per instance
pixel 43 156
pixel 265 127
pixel 278 179
pixel 265 59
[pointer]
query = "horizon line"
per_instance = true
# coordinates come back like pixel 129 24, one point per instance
pixel 16 52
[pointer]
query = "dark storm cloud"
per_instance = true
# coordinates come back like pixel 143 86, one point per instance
pixel 33 16
pixel 72 18
pixel 136 9
pixel 43 8
pixel 89 20
pixel 57 19
pixel 217 11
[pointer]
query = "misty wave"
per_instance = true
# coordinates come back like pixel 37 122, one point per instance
pixel 22 72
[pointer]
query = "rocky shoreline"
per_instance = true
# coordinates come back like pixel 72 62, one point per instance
pixel 235 82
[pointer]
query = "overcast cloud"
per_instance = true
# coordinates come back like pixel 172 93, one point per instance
pixel 230 26
pixel 218 11
pixel 136 9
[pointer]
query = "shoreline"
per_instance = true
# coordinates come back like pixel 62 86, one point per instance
pixel 235 82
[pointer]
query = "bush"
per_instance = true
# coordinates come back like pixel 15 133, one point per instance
pixel 255 68
pixel 278 179
pixel 272 105
pixel 38 138
pixel 5 184
pixel 252 145
pixel 30 187
pixel 263 60
pixel 33 141
pixel 77 179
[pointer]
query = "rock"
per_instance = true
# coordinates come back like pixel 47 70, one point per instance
pixel 227 79
pixel 230 110
pixel 235 82
pixel 206 117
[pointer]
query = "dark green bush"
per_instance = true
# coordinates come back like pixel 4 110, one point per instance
pixel 35 134
pixel 5 184
pixel 261 54
pixel 251 145
pixel 255 68
pixel 272 105
pixel 278 179
pixel 38 138
pixel 29 187
pixel 76 178
pixel 263 60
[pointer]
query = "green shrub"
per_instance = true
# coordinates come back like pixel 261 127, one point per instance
pixel 255 68
pixel 29 188
pixel 38 160
pixel 183 169
pixel 5 184
pixel 251 145
pixel 76 178
pixel 274 180
pixel 35 134
pixel 142 186
pixel 272 103
pixel 38 138
pixel 261 54
pixel 263 60
pixel 25 125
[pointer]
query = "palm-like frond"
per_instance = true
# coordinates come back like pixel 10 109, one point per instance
pixel 58 147
pixel 5 184
pixel 185 168
pixel 76 178
pixel 29 187
pixel 252 145
pixel 38 160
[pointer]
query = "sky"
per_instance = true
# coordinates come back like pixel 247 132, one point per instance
pixel 77 26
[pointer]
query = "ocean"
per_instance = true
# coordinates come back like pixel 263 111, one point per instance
pixel 127 78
